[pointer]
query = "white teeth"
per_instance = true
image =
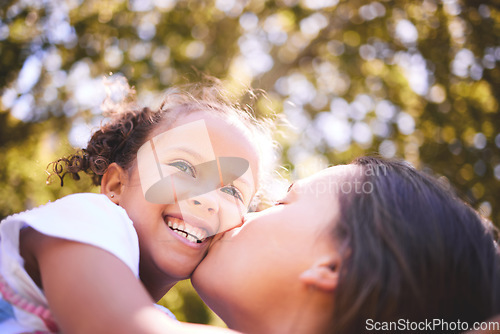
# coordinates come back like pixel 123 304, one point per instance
pixel 191 233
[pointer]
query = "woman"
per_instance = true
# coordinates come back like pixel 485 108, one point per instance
pixel 351 249
pixel 374 245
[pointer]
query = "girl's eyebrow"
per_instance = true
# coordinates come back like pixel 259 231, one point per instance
pixel 290 187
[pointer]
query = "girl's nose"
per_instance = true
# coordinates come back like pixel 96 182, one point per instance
pixel 207 203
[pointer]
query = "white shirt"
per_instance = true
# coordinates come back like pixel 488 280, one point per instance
pixel 87 218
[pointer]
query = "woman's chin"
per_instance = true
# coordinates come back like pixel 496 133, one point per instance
pixel 214 283
pixel 202 278
pixel 207 291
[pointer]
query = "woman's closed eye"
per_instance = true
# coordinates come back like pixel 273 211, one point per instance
pixel 280 202
pixel 184 166
pixel 233 191
pixel 284 199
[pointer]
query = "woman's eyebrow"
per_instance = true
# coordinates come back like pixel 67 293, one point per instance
pixel 290 187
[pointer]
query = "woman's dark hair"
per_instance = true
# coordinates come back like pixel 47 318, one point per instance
pixel 411 250
pixel 128 128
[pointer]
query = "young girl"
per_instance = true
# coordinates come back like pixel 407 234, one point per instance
pixel 170 179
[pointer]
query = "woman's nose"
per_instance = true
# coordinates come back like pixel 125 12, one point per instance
pixel 207 203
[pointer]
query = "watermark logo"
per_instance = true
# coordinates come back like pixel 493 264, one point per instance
pixel 181 167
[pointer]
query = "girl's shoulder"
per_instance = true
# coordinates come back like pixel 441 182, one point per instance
pixel 81 208
pixel 84 217
pixel 82 203
pixel 73 204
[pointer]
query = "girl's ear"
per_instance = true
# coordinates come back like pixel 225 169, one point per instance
pixel 322 275
pixel 112 182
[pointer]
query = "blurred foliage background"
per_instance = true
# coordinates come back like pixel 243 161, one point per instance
pixel 416 79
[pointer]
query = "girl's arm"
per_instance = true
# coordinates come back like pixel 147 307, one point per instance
pixel 91 291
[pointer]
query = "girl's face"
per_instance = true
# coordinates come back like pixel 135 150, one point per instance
pixel 193 179
pixel 254 269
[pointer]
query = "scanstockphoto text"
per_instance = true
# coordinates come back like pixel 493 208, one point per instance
pixel 429 325
pixel 356 182
pixel 335 186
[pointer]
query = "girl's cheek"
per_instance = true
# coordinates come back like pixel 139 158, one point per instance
pixel 230 218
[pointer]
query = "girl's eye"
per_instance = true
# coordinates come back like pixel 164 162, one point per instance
pixel 183 166
pixel 233 191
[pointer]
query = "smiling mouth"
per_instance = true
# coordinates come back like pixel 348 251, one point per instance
pixel 191 233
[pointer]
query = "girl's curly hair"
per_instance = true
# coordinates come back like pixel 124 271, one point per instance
pixel 116 141
pixel 119 139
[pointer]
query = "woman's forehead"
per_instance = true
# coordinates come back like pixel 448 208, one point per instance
pixel 330 181
pixel 334 172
